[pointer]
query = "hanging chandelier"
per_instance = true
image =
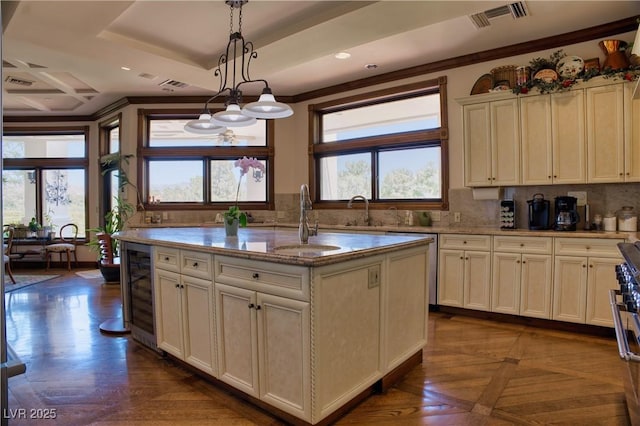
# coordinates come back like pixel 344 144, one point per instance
pixel 233 116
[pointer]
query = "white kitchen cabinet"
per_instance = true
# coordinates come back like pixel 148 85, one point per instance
pixel 264 339
pixel 584 272
pixel 185 312
pixel 521 276
pixel 632 135
pixel 537 142
pixel 605 133
pixel 492 143
pixel 464 271
pixel 568 135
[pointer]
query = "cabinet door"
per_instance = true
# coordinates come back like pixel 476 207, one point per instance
pixel 505 142
pixel 477 145
pixel 505 288
pixel 168 312
pixel 568 132
pixel 284 357
pixel 601 279
pixel 477 280
pixel 605 133
pixel 570 289
pixel 451 277
pixel 237 337
pixel 632 135
pixel 536 285
pixel 535 128
pixel 197 312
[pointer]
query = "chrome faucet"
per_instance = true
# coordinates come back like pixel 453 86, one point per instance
pixel 305 205
pixel 366 207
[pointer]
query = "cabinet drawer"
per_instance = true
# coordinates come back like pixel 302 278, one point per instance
pixel 272 278
pixel 538 245
pixel 587 247
pixel 465 242
pixel 166 258
pixel 196 264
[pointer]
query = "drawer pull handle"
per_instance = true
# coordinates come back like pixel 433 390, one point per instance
pixel 521 244
pixel 258 307
pixel 464 242
pixel 251 306
pixel 255 276
pixel 588 248
pixel 177 285
pixel 166 258
pixel 195 264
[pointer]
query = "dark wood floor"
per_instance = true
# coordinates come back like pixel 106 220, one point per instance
pixel 475 372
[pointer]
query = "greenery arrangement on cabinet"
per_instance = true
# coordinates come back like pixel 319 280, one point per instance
pixel 561 83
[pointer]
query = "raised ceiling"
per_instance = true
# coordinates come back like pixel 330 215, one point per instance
pixel 66 57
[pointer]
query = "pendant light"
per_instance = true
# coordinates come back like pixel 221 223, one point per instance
pixel 266 107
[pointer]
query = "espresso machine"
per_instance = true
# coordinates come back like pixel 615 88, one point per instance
pixel 566 211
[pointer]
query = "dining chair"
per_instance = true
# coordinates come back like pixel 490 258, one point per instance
pixel 8 232
pixel 67 245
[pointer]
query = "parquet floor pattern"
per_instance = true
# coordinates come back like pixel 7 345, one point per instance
pixel 474 372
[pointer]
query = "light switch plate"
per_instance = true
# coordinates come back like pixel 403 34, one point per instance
pixel 580 195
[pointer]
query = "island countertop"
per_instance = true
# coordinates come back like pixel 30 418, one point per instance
pixel 264 244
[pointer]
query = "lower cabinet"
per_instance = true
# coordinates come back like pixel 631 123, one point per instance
pixel 584 272
pixel 185 318
pixel 464 271
pixel 521 276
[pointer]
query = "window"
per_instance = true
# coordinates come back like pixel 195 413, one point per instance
pixel 45 176
pixel 109 144
pixel 181 170
pixel 390 146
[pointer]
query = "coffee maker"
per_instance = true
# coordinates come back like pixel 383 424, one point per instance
pixel 566 213
pixel 538 212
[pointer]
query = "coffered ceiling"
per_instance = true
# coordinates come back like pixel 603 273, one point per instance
pixel 67 57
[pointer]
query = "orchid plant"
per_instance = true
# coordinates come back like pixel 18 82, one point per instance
pixel 244 164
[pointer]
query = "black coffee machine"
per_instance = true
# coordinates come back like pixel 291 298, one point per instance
pixel 539 212
pixel 566 213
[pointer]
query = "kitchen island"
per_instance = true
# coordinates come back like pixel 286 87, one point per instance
pixel 305 331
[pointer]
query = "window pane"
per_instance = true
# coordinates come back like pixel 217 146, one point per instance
pixel 163 133
pixel 225 178
pixel 410 173
pixel 63 198
pixel 382 119
pixel 344 176
pixel 43 146
pixel 114 140
pixel 176 181
pixel 18 196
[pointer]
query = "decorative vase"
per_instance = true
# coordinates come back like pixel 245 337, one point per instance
pixel 231 229
pixel 616 59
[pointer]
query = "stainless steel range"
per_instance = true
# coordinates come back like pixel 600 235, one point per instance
pixel 625 307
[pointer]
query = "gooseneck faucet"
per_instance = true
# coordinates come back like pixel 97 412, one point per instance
pixel 305 205
pixel 366 206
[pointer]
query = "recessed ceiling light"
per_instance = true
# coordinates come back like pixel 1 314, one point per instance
pixel 126 68
pixel 342 55
pixel 371 66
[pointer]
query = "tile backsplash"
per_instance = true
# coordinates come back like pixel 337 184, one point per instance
pixel 602 198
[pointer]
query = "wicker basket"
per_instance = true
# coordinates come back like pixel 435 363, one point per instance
pixel 505 73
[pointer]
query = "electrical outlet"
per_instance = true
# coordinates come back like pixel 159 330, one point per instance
pixel 456 217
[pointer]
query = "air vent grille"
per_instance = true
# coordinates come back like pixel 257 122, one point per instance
pixel 174 83
pixel 19 81
pixel 515 10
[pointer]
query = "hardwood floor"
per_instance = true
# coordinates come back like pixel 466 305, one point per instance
pixel 474 372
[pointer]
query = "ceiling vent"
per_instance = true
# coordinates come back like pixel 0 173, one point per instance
pixel 18 81
pixel 515 10
pixel 174 83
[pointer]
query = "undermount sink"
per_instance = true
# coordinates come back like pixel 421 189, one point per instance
pixel 304 248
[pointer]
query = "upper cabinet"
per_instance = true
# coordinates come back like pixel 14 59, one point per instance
pixel 583 135
pixel 492 143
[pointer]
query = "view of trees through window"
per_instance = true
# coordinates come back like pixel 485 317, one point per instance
pixel 386 147
pixel 38 184
pixel 178 173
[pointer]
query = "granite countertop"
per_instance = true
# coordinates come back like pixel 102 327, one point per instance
pixel 262 244
pixel 481 230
